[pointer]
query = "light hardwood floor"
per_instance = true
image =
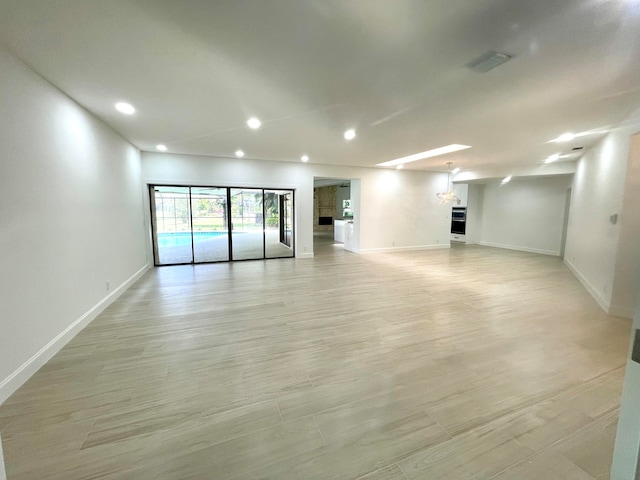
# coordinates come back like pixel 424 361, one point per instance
pixel 468 363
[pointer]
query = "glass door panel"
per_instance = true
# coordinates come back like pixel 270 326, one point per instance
pixel 218 224
pixel 210 224
pixel 172 222
pixel 247 226
pixel 286 223
pixel 279 223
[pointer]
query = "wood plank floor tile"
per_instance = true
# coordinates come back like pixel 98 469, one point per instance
pixel 466 363
pixel 478 454
pixel 592 447
pixel 392 472
pixel 548 466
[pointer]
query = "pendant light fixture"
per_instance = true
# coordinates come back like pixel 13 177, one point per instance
pixel 448 196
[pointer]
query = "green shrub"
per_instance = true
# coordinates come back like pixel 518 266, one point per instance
pixel 272 221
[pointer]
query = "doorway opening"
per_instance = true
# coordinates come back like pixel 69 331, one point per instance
pixel 334 215
pixel 220 224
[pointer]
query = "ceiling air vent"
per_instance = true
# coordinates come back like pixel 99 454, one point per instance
pixel 489 61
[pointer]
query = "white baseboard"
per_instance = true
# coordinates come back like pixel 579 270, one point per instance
pixel 304 255
pixel 620 312
pixel 31 366
pixel 520 248
pixel 405 249
pixel 604 304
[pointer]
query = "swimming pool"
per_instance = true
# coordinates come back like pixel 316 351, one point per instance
pixel 177 239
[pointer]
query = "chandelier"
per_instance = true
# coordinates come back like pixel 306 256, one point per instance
pixel 448 196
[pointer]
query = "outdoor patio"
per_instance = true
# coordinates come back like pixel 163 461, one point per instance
pixel 246 245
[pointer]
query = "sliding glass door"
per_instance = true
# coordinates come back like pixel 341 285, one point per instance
pixel 210 224
pixel 219 224
pixel 247 225
pixel 172 224
pixel 279 223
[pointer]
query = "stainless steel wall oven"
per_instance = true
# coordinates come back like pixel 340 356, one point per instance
pixel 459 220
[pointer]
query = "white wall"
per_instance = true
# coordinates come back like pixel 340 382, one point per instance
pixel 626 462
pixel 592 249
pixel 399 210
pixel 71 210
pixel 475 194
pixel 396 209
pixel 524 214
pixel 626 278
pixel 627 449
pixel 462 191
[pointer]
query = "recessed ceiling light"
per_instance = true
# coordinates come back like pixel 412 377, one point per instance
pixel 422 155
pixel 400 167
pixel 552 158
pixel 455 170
pixel 507 179
pixel 350 134
pixel 126 108
pixel 304 158
pixel 254 123
pixel 161 147
pixel 239 153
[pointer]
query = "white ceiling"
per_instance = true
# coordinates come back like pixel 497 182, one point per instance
pixel 395 70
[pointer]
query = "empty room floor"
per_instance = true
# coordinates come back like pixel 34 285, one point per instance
pixel 466 363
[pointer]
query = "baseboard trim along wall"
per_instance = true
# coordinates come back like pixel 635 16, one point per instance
pixel 404 249
pixel 31 366
pixel 620 312
pixel 304 255
pixel 585 283
pixel 519 248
